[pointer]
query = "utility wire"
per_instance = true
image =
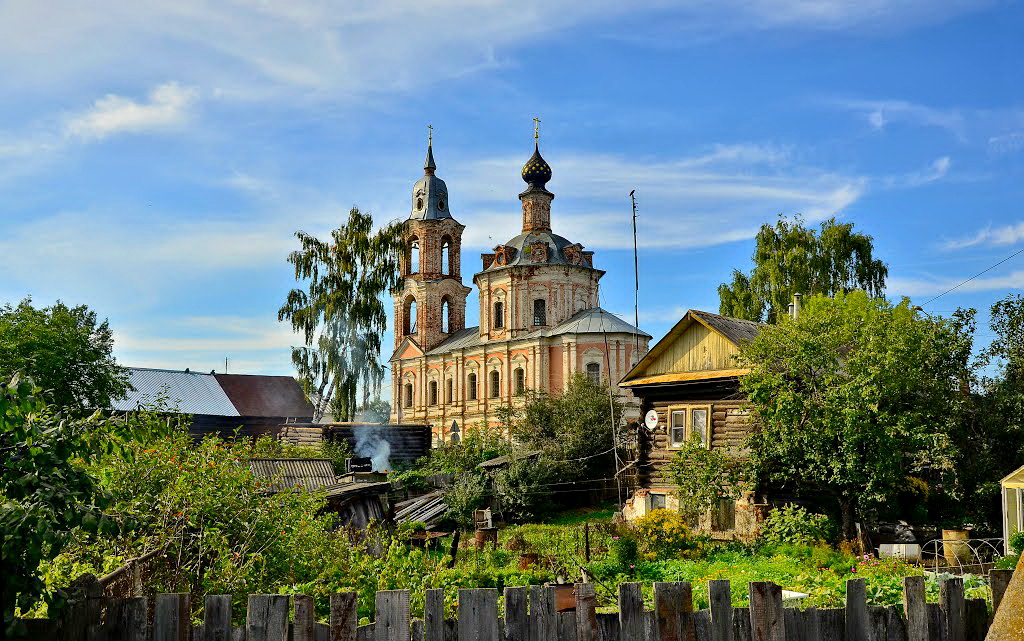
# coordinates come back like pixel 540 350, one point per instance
pixel 1013 255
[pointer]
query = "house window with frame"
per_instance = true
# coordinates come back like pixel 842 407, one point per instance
pixel 658 501
pixel 689 421
pixel 594 372
pixel 540 312
pixel 520 381
pixel 495 391
pixel 433 392
pixel 498 321
pixel 408 395
pixel 471 387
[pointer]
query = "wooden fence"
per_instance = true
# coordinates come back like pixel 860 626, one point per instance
pixel 532 614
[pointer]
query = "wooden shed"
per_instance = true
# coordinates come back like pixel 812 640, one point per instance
pixel 690 380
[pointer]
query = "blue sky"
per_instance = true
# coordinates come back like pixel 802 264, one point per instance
pixel 156 157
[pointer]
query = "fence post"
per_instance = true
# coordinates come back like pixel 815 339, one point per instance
pixel 345 616
pixel 998 580
pixel 478 615
pixel 392 620
pixel 172 618
pixel 915 608
pixel 720 599
pixel 127 619
pixel 766 617
pixel 217 617
pixel 631 612
pixel 266 618
pixel 543 622
pixel 517 621
pixel 586 612
pixel 673 604
pixel 951 599
pixel 858 625
pixel 304 628
pixel 975 620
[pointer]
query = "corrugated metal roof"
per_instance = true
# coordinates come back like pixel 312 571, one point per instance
pixel 185 392
pixel 593 321
pixel 289 473
pixel 737 330
pixel 469 337
pixel 266 395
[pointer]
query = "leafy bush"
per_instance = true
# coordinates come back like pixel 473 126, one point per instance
pixel 662 534
pixel 702 476
pixel 793 524
pixel 1016 542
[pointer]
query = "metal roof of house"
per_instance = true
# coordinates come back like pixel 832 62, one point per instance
pixel 735 329
pixel 185 392
pixel 265 395
pixel 289 473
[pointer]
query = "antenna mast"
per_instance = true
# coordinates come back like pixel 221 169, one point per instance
pixel 636 278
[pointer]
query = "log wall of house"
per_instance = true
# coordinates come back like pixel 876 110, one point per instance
pixel 730 424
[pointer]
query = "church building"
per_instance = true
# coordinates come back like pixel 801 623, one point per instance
pixel 540 319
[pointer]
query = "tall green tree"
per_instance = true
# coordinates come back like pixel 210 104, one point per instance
pixel 340 312
pixel 790 258
pixel 854 397
pixel 65 350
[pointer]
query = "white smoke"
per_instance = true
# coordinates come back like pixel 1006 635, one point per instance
pixel 371 442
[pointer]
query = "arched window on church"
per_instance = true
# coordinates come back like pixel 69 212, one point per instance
pixel 540 312
pixel 446 256
pixel 520 381
pixel 409 316
pixel 433 392
pixel 594 372
pixel 471 393
pixel 495 391
pixel 498 321
pixel 446 310
pixel 414 255
pixel 408 395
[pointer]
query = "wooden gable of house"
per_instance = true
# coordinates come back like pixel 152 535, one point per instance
pixel 693 349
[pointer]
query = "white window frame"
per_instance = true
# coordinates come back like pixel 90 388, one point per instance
pixel 687 410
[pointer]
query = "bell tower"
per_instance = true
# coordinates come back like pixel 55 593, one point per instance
pixel 432 305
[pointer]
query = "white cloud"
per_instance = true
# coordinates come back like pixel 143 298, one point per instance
pixel 718 196
pixel 989 236
pixel 897 286
pixel 169 104
pixel 882 113
pixel 937 170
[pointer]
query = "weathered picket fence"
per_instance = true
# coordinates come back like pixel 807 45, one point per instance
pixel 532 614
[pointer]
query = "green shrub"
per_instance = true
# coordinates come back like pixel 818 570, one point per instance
pixel 793 524
pixel 624 552
pixel 662 534
pixel 1016 542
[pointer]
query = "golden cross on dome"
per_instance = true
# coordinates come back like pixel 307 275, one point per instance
pixel 536 129
pixel 430 134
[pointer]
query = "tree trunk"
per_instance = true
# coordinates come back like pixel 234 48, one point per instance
pixel 848 509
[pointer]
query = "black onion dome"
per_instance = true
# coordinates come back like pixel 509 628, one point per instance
pixel 536 171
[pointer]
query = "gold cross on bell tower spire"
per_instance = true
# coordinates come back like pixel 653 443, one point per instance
pixel 536 130
pixel 430 134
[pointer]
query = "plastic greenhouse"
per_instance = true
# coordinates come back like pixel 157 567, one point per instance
pixel 1013 505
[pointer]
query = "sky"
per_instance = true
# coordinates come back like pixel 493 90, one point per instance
pixel 157 157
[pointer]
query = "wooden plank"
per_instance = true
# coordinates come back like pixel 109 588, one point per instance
pixel 858 625
pixel 631 613
pixel 811 626
pixel 896 628
pixel 720 598
pixel 128 620
pixel 915 608
pixel 702 625
pixel 832 624
pixel 586 612
pixel 998 580
pixel 608 627
pixel 566 626
pixel 517 618
pixel 879 617
pixel 451 630
pixel 741 624
pixel 975 620
pixel 417 630
pixel 794 624
pixel 304 627
pixel 650 625
pixel 217 617
pixel 323 632
pixel 392 616
pixel 766 618
pixel 238 634
pixel 344 616
pixel 543 619
pixel 673 602
pixel 478 615
pixel 266 618
pixel 433 615
pixel 365 632
pixel 172 618
pixel 951 600
pixel 935 627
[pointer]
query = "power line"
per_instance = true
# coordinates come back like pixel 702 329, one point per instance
pixel 1016 253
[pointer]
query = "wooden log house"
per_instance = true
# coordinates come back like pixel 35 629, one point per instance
pixel 690 379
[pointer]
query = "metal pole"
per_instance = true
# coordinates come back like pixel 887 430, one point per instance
pixel 636 278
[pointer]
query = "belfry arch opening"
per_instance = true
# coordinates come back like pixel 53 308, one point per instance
pixel 446 312
pixel 413 262
pixel 446 256
pixel 409 316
